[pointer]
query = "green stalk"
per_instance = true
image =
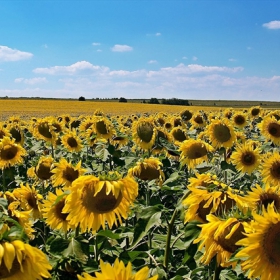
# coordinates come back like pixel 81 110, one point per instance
pixel 3 180
pixel 217 272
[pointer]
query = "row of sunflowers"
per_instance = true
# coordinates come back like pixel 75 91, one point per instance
pixel 193 195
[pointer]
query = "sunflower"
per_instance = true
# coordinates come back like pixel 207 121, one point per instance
pixel 260 255
pixel 204 201
pixel 22 261
pixel 10 153
pixel 255 111
pixel 53 213
pixel 270 169
pixel 64 173
pixel 94 201
pixel 270 129
pixel 144 132
pixel 148 169
pixel 4 131
pixel 197 121
pixel 42 129
pixel 194 152
pixel 221 133
pixel 86 123
pixel 218 238
pixel 30 198
pixel 178 134
pixel 246 158
pixel 239 120
pixel 186 115
pixel 103 127
pixel 17 133
pixel 43 168
pixel 71 141
pixel 118 271
pixel 263 196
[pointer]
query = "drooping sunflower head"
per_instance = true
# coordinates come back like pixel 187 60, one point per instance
pixel 103 127
pixel 42 129
pixel 186 115
pixel 86 123
pixel 118 271
pixel 270 129
pixel 17 133
pixel 178 134
pixel 198 121
pixel 43 168
pixel 4 131
pixel 194 152
pixel 270 169
pixel 246 157
pixel 260 255
pixel 218 238
pixel 64 173
pixel 22 261
pixel 30 199
pixel 144 132
pixel 221 133
pixel 228 113
pixel 52 209
pixel 94 202
pixel 148 169
pixel 10 153
pixel 71 141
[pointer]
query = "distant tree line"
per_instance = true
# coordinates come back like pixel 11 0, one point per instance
pixel 172 101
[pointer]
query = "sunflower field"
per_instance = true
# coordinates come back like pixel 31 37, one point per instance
pixel 188 195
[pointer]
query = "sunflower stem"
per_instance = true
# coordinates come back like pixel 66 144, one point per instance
pixel 96 249
pixel 77 230
pixel 225 159
pixel 52 150
pixel 3 180
pixel 168 239
pixel 217 272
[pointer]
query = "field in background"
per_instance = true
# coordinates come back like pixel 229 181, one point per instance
pixel 28 108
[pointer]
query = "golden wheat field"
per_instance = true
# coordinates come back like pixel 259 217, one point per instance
pixel 40 108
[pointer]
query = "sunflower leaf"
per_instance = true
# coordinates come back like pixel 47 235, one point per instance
pixel 75 249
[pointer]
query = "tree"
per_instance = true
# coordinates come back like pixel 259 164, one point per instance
pixel 122 99
pixel 81 98
pixel 154 100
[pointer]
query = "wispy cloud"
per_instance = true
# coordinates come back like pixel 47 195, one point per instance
pixel 76 68
pixel 152 61
pixel 8 54
pixel 121 48
pixel 158 34
pixel 232 59
pixel 184 57
pixel 275 24
pixel 96 44
pixel 31 81
pixel 194 58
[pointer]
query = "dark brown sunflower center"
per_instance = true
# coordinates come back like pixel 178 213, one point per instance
pixel 268 198
pixel 75 124
pixel 8 152
pixel 275 170
pixel 145 131
pixel 16 134
pixel 202 211
pixel 179 135
pixel 186 115
pixel 44 130
pixel 57 127
pixel 101 127
pixel 58 210
pixel 197 150
pixel 101 203
pixel 274 129
pixel 161 121
pixel 5 273
pixel 248 158
pixel 271 244
pixel 198 120
pixel 239 120
pixel 255 112
pixel 118 138
pixel 168 125
pixel 72 142
pixel 177 122
pixel 229 243
pixel 32 200
pixel 221 133
pixel 148 173
pixel 43 171
pixel 88 125
pixel 70 174
pixel 2 134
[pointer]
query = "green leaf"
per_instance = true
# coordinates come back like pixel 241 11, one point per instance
pixel 74 249
pixel 109 234
pixel 143 226
pixel 173 177
pixel 57 245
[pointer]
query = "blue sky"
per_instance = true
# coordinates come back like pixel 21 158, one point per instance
pixel 140 49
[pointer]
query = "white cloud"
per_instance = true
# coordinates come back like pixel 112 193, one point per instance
pixel 158 34
pixel 232 59
pixel 96 44
pixel 8 54
pixel 194 58
pixel 99 50
pixel 184 57
pixel 31 81
pixel 76 68
pixel 152 61
pixel 275 24
pixel 121 48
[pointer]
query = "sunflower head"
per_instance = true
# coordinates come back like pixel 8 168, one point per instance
pixel 178 134
pixel 270 129
pixel 43 168
pixel 186 115
pixel 239 119
pixel 71 141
